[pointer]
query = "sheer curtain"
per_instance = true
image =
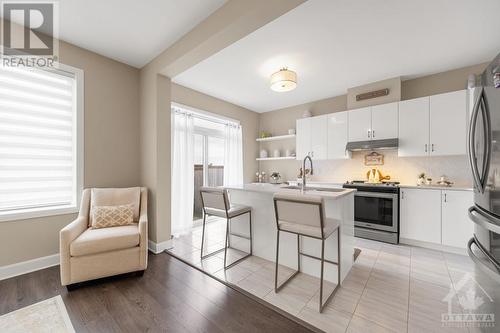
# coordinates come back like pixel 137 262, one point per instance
pixel 233 155
pixel 182 172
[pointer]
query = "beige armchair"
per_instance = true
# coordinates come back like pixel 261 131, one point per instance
pixel 88 254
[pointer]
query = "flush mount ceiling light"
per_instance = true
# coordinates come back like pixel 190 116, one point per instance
pixel 284 80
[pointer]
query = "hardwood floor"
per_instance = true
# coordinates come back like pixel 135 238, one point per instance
pixel 170 297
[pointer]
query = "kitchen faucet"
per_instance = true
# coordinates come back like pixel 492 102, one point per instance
pixel 304 171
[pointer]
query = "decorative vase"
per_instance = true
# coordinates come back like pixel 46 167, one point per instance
pixel 263 153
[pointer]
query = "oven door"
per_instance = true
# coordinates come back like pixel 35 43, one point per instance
pixel 376 210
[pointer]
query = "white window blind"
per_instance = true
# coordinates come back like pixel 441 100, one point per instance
pixel 37 139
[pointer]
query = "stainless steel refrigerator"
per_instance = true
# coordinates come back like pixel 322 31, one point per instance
pixel 484 157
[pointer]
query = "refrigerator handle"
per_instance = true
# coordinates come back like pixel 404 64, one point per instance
pixel 488 139
pixel 484 219
pixel 494 274
pixel 472 148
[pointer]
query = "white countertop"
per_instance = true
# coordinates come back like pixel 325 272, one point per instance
pixel 280 188
pixel 439 187
pixel 457 187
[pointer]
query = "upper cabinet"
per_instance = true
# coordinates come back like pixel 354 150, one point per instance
pixel 385 121
pixel 312 137
pixel 414 127
pixel 448 123
pixel 428 126
pixel 338 135
pixel 319 137
pixel 360 123
pixel 374 123
pixel 433 126
pixel 303 138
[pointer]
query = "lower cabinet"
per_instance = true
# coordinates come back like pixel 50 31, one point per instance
pixel 420 215
pixel 457 228
pixel 436 216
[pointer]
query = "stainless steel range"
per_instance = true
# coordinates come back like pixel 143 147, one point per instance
pixel 376 210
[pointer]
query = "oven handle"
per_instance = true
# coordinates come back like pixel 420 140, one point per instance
pixel 376 195
pixel 494 274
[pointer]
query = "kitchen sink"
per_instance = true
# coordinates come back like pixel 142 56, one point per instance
pixel 310 188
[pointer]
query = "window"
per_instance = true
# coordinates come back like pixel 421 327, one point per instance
pixel 206 151
pixel 41 123
pixel 208 157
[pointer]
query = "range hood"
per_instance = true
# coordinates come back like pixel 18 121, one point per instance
pixel 372 145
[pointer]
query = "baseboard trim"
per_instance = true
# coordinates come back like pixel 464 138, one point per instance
pixel 36 264
pixel 159 247
pixel 432 246
pixel 28 266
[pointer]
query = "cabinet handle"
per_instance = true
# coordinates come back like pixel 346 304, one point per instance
pixel 369 133
pixel 432 147
pixel 373 133
pixel 445 199
pixel 402 194
pixel 426 147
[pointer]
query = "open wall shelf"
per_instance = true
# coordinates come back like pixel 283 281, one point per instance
pixel 276 138
pixel 276 158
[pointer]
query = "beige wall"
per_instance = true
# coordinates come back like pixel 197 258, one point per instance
pixel 111 149
pixel 233 21
pixel 394 86
pixel 439 83
pixel 249 121
pixel 404 169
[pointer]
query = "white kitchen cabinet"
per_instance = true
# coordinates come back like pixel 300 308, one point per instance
pixel 319 137
pixel 374 123
pixel 420 215
pixel 414 127
pixel 434 125
pixel 360 122
pixel 312 137
pixel 448 123
pixel 384 121
pixel 338 135
pixel 303 138
pixel 457 228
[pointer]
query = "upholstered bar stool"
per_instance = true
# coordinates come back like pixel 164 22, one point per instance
pixel 305 216
pixel 215 202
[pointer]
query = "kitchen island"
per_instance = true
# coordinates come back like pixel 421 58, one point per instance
pixel 339 204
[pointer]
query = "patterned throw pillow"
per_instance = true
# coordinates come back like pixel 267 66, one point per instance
pixel 112 216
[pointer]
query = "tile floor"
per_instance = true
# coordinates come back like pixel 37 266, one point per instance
pixel 391 288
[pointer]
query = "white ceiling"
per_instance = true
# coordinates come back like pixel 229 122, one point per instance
pixel 337 44
pixel 130 31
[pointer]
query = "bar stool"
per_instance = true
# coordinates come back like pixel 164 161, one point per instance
pixel 305 216
pixel 215 202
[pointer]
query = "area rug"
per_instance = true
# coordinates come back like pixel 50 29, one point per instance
pixel 49 315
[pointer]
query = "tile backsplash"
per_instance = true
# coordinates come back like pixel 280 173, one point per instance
pixel 402 169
